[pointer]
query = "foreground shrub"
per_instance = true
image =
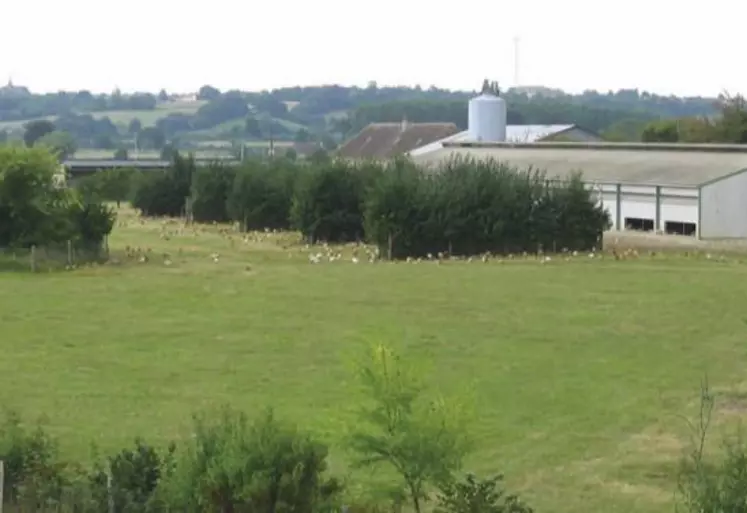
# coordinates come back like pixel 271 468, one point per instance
pixel 128 481
pixel 328 203
pixel 423 441
pixel 211 187
pixel 34 475
pixel 233 465
pixel 473 495
pixel 261 195
pixel 706 486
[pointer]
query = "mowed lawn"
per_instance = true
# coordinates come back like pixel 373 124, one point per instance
pixel 579 368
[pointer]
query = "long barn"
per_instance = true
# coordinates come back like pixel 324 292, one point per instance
pixel 698 190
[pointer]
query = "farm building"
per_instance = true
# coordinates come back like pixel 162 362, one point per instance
pixel 386 140
pixel 698 190
pixel 519 134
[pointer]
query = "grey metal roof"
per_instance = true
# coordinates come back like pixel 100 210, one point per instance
pixel 607 163
pixel 514 134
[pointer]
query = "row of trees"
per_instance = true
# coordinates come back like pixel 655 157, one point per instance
pixel 18 103
pixel 234 463
pixel 730 126
pixel 36 209
pixel 465 207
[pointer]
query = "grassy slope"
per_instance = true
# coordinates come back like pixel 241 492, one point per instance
pixel 150 117
pixel 579 367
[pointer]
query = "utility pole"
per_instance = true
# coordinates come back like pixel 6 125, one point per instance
pixel 516 61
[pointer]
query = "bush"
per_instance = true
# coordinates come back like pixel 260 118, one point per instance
pixel 35 210
pixel 473 495
pixel 211 186
pixel 706 486
pixel 469 207
pixel 110 185
pixel 231 465
pixel 327 203
pixel 135 476
pixel 261 195
pixel 33 473
pixel 165 193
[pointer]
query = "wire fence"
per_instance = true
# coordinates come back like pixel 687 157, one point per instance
pixel 53 257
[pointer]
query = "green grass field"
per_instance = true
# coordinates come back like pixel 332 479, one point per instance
pixel 123 117
pixel 580 368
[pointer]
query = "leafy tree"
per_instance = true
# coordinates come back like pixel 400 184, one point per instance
pixel 211 187
pixel 3 136
pixel 104 141
pixel 61 143
pixel 221 109
pixel 208 92
pixel 231 464
pixel 35 130
pixel 121 154
pixel 35 210
pixel 327 203
pixel 291 154
pixel 168 151
pixel 163 96
pixel 261 195
pixel 134 127
pixel 151 137
pixel 302 135
pixel 252 127
pixel 423 441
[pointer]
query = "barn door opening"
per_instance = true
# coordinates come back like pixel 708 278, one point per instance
pixel 639 224
pixel 680 228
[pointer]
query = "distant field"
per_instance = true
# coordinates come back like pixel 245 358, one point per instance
pixel 580 365
pixel 123 117
pixel 149 117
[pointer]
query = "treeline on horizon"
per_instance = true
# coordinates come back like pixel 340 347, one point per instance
pixel 334 112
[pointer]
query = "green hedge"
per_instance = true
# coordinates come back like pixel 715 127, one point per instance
pixel 464 207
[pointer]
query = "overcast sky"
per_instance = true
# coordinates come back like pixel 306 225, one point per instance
pixel 657 45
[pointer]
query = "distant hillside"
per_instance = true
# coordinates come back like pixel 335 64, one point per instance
pixel 326 114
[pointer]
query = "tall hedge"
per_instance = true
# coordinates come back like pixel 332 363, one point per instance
pixel 261 194
pixel 165 193
pixel 328 202
pixel 469 207
pixel 211 187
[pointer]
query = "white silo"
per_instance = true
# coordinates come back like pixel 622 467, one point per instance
pixel 487 118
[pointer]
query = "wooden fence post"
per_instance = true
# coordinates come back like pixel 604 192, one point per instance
pixel 110 496
pixel 2 482
pixel 33 259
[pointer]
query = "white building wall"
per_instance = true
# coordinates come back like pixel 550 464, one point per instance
pixel 724 208
pixel 640 202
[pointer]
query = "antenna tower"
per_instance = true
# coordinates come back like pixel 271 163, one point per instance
pixel 516 61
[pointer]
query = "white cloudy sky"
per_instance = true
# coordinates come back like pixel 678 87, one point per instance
pixel 659 45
